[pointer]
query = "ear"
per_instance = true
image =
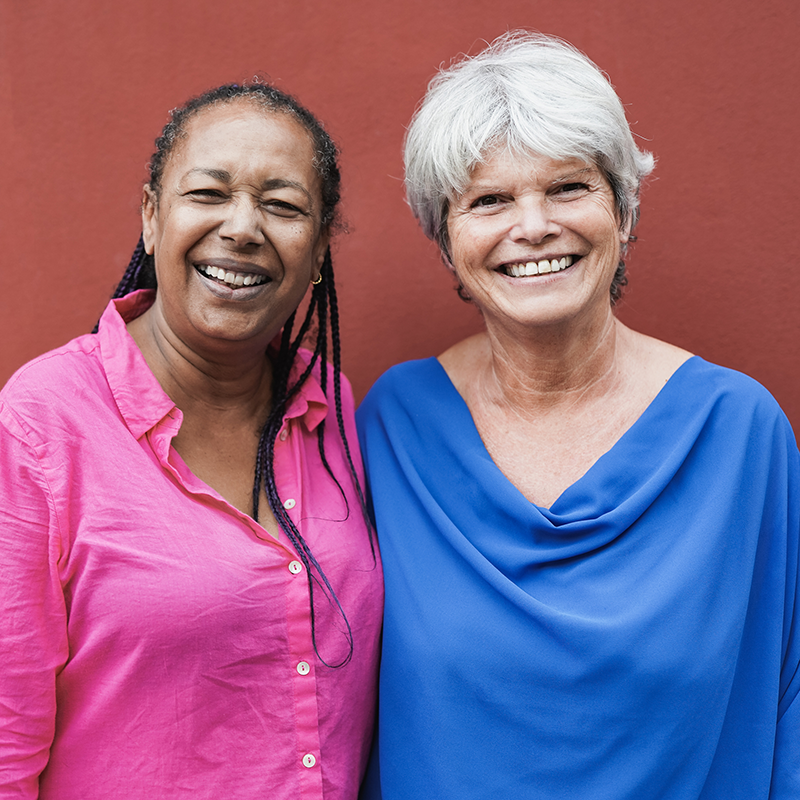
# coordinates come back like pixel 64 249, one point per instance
pixel 320 248
pixel 149 219
pixel 625 230
pixel 442 241
pixel 447 262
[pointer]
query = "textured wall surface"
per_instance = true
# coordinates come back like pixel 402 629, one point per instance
pixel 710 88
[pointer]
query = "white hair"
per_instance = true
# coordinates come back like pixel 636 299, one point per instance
pixel 532 93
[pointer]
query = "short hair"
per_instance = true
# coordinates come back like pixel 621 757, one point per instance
pixel 532 93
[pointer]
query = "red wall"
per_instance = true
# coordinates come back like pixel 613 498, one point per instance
pixel 712 89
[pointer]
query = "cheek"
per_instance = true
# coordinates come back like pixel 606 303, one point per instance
pixel 601 228
pixel 299 238
pixel 170 228
pixel 470 241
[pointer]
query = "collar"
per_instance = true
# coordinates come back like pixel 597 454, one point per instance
pixel 310 402
pixel 139 397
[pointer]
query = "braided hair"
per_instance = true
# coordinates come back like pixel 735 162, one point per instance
pixel 322 317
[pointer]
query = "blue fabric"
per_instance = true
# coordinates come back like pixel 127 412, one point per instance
pixel 636 640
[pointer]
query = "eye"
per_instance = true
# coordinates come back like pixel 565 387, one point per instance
pixel 206 194
pixel 486 201
pixel 567 188
pixel 282 208
pixel 570 190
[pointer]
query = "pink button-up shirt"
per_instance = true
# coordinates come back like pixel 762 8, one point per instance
pixel 154 641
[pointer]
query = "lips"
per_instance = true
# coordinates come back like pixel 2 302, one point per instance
pixel 544 266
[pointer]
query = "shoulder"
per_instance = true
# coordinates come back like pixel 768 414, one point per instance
pixel 55 379
pixel 303 359
pixel 699 382
pixel 726 383
pixel 409 399
pixel 406 381
pixel 733 405
pixel 315 389
pixel 646 356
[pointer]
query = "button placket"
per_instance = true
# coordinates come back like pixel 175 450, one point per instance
pixel 288 473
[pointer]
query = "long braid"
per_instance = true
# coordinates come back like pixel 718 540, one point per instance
pixel 323 297
pixel 323 309
pixel 337 396
pixel 328 290
pixel 139 274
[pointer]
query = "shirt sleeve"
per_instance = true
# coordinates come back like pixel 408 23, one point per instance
pixel 33 631
pixel 786 769
pixel 786 766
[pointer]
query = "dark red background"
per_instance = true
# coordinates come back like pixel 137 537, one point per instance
pixel 711 89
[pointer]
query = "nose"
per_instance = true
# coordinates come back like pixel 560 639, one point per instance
pixel 242 223
pixel 533 221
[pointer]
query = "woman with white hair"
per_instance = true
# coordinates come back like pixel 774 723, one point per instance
pixel 590 537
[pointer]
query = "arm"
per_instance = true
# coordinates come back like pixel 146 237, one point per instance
pixel 786 766
pixel 33 625
pixel 786 769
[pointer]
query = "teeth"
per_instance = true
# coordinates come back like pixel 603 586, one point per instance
pixel 539 267
pixel 233 278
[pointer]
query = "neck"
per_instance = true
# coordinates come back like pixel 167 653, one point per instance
pixel 230 376
pixel 547 368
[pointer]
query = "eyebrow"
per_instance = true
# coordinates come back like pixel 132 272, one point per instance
pixel 582 171
pixel 282 183
pixel 217 174
pixel 224 176
pixel 487 188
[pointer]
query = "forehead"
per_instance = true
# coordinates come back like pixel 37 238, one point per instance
pixel 504 163
pixel 242 136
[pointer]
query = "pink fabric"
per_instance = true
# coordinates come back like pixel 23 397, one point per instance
pixel 154 640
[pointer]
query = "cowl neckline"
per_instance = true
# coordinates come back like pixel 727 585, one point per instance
pixel 607 499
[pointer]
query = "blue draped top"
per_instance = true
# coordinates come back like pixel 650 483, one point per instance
pixel 638 639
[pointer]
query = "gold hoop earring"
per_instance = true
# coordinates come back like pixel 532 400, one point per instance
pixel 318 280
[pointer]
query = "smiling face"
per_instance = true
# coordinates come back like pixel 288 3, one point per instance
pixel 536 241
pixel 235 230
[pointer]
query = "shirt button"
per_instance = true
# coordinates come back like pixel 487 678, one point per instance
pixel 290 503
pixel 309 760
pixel 303 668
pixel 295 567
pixel 284 435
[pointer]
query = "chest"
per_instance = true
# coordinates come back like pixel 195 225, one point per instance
pixel 145 535
pixel 543 454
pixel 225 459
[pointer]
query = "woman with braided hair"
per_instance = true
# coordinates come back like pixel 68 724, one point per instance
pixel 189 589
